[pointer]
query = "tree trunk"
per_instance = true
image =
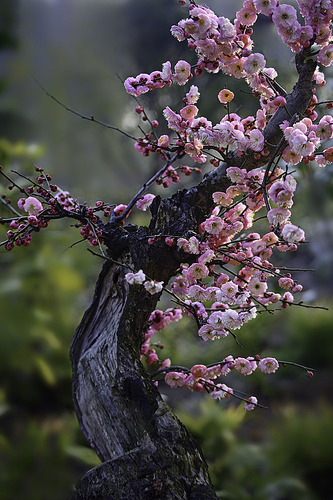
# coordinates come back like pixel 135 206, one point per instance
pixel 146 452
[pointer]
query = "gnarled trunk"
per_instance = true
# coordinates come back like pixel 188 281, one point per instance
pixel 146 452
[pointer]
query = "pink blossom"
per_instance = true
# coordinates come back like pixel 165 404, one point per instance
pixel 153 286
pixel 254 63
pixel 251 403
pixel 257 287
pixel 192 95
pixel 198 271
pixel 213 225
pixel 266 7
pixel 221 391
pixel 277 216
pixel 292 234
pixel 256 140
pixel 244 366
pixel 325 56
pixel 198 371
pixel 32 206
pixel 182 72
pixel 145 202
pixel 175 379
pixel 225 96
pixel 213 372
pixel 189 112
pixel 163 141
pixel 246 16
pixel 284 16
pixel 236 175
pixel 180 286
pixel 268 365
pixel 135 278
pixel 222 199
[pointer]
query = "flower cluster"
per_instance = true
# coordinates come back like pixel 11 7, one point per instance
pixel 42 202
pixel 202 378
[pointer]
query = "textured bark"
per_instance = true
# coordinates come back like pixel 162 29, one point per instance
pixel 146 452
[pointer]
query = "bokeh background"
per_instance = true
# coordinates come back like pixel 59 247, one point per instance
pixel 81 51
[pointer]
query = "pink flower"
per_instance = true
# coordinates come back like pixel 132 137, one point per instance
pixel 32 206
pixel 225 96
pixel 180 286
pixel 284 16
pixel 257 287
pixel 153 286
pixel 135 278
pixel 256 140
pixel 268 365
pixel 182 72
pixel 198 371
pixel 251 403
pixel 278 216
pixel 221 391
pixel 189 112
pixel 325 56
pixel 213 225
pixel 198 271
pixel 163 141
pixel 266 7
pixel 192 95
pixel 175 379
pixel 254 63
pixel 244 366
pixel 292 234
pixel 145 202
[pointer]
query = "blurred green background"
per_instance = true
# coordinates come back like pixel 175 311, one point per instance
pixel 81 50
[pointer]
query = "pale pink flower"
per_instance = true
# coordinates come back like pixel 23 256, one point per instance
pixel 244 366
pixel 175 379
pixel 196 292
pixel 180 286
pixel 213 225
pixel 135 278
pixel 32 206
pixel 213 372
pixel 286 283
pixel 166 71
pixel 284 16
pixel 225 96
pixel 254 63
pixel 221 391
pixel 222 199
pixel 207 332
pixel 325 56
pixel 198 371
pixel 257 287
pixel 228 291
pixel 251 403
pixel 198 271
pixel 246 16
pixel 182 72
pixel 189 112
pixel 192 95
pixel 266 7
pixel 268 365
pixel 278 215
pixel 163 141
pixel 236 175
pixel 292 234
pixel 145 202
pixel 153 286
pixel 256 140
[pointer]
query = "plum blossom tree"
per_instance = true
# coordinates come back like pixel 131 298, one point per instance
pixel 201 247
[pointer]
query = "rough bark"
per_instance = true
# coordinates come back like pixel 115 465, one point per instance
pixel 146 452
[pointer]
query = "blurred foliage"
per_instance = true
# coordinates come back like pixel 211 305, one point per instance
pixel 288 458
